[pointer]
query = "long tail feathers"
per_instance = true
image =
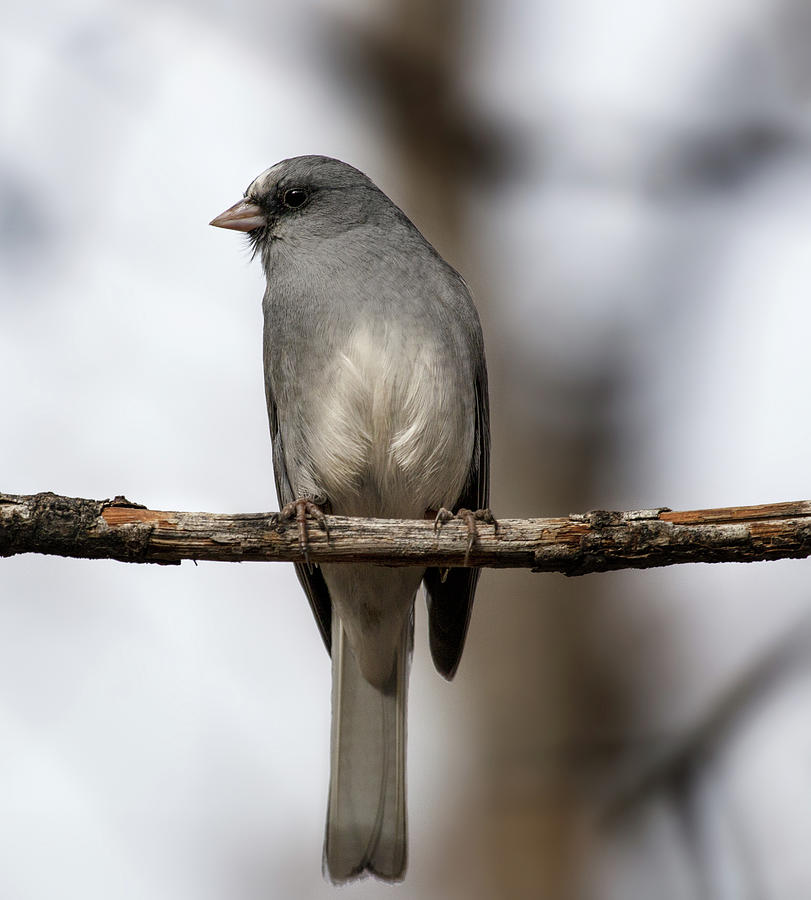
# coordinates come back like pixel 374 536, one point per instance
pixel 366 816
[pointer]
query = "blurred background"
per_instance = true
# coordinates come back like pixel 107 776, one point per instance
pixel 627 189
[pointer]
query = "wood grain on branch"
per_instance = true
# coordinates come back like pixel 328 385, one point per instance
pixel 574 545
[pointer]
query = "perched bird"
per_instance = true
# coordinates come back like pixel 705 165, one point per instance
pixel 377 398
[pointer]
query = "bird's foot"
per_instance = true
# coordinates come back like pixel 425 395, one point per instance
pixel 471 518
pixel 298 510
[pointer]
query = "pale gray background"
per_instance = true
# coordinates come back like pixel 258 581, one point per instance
pixel 641 254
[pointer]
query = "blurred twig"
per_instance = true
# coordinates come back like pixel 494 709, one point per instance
pixel 676 765
pixel 578 544
pixel 685 773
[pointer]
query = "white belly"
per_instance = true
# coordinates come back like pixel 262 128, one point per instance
pixel 392 432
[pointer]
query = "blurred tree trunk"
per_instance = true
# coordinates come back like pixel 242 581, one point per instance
pixel 524 670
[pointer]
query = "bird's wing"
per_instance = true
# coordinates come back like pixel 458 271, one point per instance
pixel 450 601
pixel 310 576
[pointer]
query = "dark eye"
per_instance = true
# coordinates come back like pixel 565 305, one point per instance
pixel 294 198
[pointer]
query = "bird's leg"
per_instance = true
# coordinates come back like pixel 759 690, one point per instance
pixel 298 510
pixel 442 517
pixel 471 518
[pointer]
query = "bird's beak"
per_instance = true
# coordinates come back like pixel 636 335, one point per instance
pixel 242 216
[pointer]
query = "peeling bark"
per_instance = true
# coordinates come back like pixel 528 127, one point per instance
pixel 579 544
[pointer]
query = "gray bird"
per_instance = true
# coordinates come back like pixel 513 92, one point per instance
pixel 377 398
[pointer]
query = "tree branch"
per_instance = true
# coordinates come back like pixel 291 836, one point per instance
pixel 575 545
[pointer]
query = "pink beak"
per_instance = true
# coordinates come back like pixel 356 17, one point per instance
pixel 242 216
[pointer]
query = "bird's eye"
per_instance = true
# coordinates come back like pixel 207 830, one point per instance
pixel 294 198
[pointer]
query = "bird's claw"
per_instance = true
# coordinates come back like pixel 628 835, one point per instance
pixel 443 516
pixel 298 510
pixel 471 518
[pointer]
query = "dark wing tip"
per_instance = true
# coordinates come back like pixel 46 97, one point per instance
pixel 449 607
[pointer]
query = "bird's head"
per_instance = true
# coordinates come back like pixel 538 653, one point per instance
pixel 306 197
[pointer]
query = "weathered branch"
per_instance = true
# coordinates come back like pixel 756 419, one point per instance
pixel 575 545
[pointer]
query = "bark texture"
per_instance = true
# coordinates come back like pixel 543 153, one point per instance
pixel 578 544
